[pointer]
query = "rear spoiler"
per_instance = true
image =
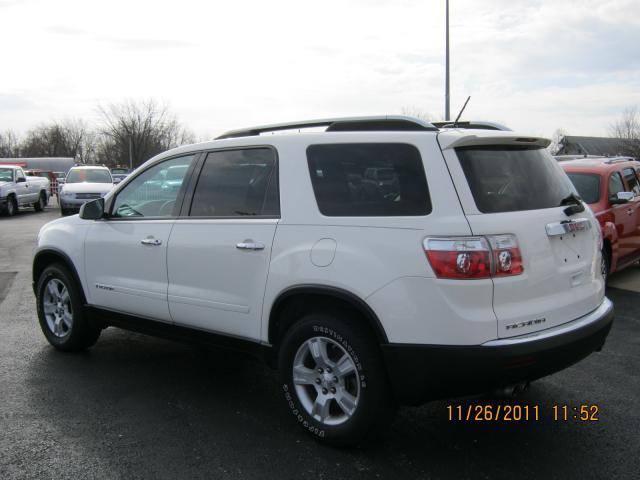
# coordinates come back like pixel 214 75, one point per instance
pixel 455 141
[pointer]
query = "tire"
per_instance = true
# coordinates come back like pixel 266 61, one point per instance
pixel 41 203
pixel 64 212
pixel 605 265
pixel 337 409
pixel 62 317
pixel 12 207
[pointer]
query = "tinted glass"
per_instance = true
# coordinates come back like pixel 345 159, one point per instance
pixel 615 184
pixel 368 179
pixel 89 175
pixel 588 186
pixel 508 179
pixel 235 183
pixel 632 180
pixel 154 192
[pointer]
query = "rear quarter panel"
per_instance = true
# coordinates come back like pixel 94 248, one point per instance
pixel 379 259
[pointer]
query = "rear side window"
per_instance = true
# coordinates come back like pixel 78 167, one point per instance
pixel 237 183
pixel 632 180
pixel 368 180
pixel 509 179
pixel 587 184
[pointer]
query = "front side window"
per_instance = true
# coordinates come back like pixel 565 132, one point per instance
pixel 154 192
pixel 632 180
pixel 615 184
pixel 368 180
pixel 88 175
pixel 20 175
pixel 237 183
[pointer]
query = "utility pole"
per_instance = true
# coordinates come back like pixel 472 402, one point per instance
pixel 447 112
pixel 130 154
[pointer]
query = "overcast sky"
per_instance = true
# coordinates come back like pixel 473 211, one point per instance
pixel 533 65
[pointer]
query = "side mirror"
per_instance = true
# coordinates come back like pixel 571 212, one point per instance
pixel 21 180
pixel 92 210
pixel 622 197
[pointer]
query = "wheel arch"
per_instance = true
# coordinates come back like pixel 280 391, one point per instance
pixel 308 297
pixel 46 257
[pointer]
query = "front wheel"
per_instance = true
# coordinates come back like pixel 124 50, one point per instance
pixel 12 207
pixel 334 380
pixel 61 313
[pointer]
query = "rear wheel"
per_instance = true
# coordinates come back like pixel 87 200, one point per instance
pixel 60 311
pixel 41 203
pixel 334 380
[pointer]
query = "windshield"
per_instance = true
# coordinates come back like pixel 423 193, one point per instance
pixel 509 179
pixel 89 175
pixel 6 175
pixel 588 186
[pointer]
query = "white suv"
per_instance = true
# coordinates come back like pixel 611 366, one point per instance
pixel 383 261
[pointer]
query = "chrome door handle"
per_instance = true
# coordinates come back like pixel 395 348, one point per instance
pixel 250 246
pixel 630 211
pixel 151 241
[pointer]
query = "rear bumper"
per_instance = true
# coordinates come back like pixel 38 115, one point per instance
pixel 420 373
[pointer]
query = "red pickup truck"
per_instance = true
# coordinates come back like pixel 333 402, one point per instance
pixel 611 187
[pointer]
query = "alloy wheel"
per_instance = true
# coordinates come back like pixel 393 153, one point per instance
pixel 56 304
pixel 326 380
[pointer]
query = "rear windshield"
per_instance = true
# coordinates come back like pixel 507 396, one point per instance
pixel 510 179
pixel 368 179
pixel 587 184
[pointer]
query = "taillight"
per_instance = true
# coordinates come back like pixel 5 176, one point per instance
pixel 507 259
pixel 474 257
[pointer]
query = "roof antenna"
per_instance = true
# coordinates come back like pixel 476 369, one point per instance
pixel 455 123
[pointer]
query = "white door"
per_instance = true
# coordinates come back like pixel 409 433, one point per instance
pixel 23 194
pixel 219 255
pixel 126 267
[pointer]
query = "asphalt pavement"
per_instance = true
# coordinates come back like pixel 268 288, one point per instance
pixel 139 407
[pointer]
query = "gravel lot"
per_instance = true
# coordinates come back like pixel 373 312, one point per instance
pixel 138 407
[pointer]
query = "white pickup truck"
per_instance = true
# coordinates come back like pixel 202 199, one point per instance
pixel 19 190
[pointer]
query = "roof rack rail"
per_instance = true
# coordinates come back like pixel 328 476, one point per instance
pixel 619 159
pixel 475 125
pixel 344 124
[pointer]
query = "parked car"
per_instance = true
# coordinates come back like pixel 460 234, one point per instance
pixel 611 187
pixel 83 183
pixel 479 271
pixel 118 177
pixel 20 190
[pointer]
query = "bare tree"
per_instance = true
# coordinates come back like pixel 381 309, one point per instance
pixel 9 144
pixel 627 129
pixel 418 113
pixel 71 138
pixel 556 141
pixel 138 130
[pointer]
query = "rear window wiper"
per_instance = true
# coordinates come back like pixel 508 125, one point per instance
pixel 575 204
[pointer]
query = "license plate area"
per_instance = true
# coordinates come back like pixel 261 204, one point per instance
pixel 570 242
